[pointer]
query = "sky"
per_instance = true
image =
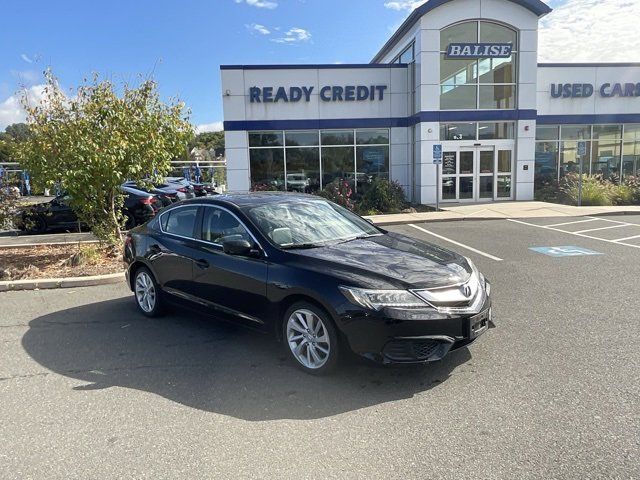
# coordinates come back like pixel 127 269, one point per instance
pixel 183 43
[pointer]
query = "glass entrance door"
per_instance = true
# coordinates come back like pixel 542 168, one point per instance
pixel 476 174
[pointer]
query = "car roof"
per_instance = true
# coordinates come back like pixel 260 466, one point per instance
pixel 244 199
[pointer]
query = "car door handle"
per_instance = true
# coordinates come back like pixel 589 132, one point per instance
pixel 203 264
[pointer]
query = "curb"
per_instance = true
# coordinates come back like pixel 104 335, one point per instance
pixel 71 282
pixel 46 244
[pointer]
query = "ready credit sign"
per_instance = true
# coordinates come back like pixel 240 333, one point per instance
pixel 479 50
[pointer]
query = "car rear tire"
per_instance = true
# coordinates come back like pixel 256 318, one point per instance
pixel 147 293
pixel 35 224
pixel 310 338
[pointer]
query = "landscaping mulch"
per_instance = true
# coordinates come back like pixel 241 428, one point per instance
pixel 58 261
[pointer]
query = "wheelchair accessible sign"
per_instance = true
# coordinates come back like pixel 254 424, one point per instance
pixel 566 251
pixel 437 154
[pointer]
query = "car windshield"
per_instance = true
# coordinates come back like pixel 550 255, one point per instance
pixel 309 223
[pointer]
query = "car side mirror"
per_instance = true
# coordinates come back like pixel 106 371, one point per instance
pixel 240 248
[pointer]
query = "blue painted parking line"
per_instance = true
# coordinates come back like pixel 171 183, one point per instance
pixel 565 251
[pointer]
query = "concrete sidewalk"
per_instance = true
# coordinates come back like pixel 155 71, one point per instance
pixel 491 211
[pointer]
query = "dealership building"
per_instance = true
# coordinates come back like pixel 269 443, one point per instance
pixel 455 107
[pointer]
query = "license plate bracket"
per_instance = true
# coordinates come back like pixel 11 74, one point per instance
pixel 479 324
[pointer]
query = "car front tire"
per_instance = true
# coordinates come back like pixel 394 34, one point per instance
pixel 147 293
pixel 310 338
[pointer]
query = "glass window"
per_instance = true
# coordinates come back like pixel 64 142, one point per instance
pixel 458 98
pixel 372 137
pixel 632 133
pixel 546 169
pixel 486 162
pixel 605 158
pixel 219 225
pixel 504 186
pixel 303 170
pixel 407 56
pixel 576 132
pixel 497 97
pixel 302 139
pixel 338 163
pixel 337 137
pixel 497 70
pixel 466 163
pixel 569 160
pixel 547 132
pixel 458 131
pixel 494 33
pixel 631 158
pixel 504 161
pixel 265 139
pixel 371 162
pixel 458 72
pixel 449 163
pixel 611 132
pixel 486 187
pixel 180 221
pixel 267 168
pixel 460 33
pixel 496 131
pixel 466 187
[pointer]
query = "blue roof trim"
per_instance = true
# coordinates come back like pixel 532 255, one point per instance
pixel 589 119
pixel 320 66
pixel 591 64
pixel 435 116
pixel 535 6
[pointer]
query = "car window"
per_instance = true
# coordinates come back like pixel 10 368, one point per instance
pixel 180 221
pixel 219 225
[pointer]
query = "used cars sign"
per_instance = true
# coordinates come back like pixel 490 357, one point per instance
pixel 479 50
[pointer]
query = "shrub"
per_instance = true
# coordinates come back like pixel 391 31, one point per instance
pixel 621 194
pixel 383 196
pixel 340 192
pixel 634 184
pixel 595 191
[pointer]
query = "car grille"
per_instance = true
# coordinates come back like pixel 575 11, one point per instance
pixel 427 350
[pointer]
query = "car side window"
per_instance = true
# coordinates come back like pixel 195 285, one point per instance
pixel 180 221
pixel 219 225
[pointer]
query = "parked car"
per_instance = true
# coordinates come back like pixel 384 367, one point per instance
pixel 316 275
pixel 165 193
pixel 203 189
pixel 182 186
pixel 56 214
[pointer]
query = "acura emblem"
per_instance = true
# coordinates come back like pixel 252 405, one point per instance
pixel 466 291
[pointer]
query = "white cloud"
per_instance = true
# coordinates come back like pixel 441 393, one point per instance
pixel 409 5
pixel 590 30
pixel 294 35
pixel 210 127
pixel 11 110
pixel 24 57
pixel 256 27
pixel 259 3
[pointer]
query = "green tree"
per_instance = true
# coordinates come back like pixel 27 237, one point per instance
pixel 95 140
pixel 209 141
pixel 6 149
pixel 19 132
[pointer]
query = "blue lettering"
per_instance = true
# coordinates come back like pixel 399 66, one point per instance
pixel 381 89
pixel 362 93
pixel 566 90
pixel 587 90
pixel 337 93
pixel 254 94
pixel 629 90
pixel 617 90
pixel 637 90
pixel 323 94
pixel 307 93
pixel 295 94
pixel 350 93
pixel 603 90
pixel 556 90
pixel 281 95
pixel 267 94
pixel 576 90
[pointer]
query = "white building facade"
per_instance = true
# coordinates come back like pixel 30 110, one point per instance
pixel 460 75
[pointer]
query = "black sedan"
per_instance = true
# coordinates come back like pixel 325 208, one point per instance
pixel 319 277
pixel 57 214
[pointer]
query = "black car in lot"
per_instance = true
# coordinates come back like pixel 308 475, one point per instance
pixel 56 214
pixel 165 193
pixel 319 277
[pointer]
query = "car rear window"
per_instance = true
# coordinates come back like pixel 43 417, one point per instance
pixel 180 221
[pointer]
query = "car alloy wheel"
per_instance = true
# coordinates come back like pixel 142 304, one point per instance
pixel 145 290
pixel 308 339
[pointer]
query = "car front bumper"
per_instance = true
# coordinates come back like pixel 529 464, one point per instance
pixel 412 336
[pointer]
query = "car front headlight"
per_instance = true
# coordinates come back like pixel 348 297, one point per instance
pixel 378 299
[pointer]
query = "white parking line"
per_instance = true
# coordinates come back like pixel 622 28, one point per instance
pixel 479 252
pixel 572 223
pixel 615 242
pixel 603 228
pixel 627 238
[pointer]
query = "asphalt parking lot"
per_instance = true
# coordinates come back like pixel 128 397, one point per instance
pixel 91 389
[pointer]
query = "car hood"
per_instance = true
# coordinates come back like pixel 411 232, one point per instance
pixel 388 261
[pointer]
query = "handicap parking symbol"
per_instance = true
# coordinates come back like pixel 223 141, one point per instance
pixel 565 251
